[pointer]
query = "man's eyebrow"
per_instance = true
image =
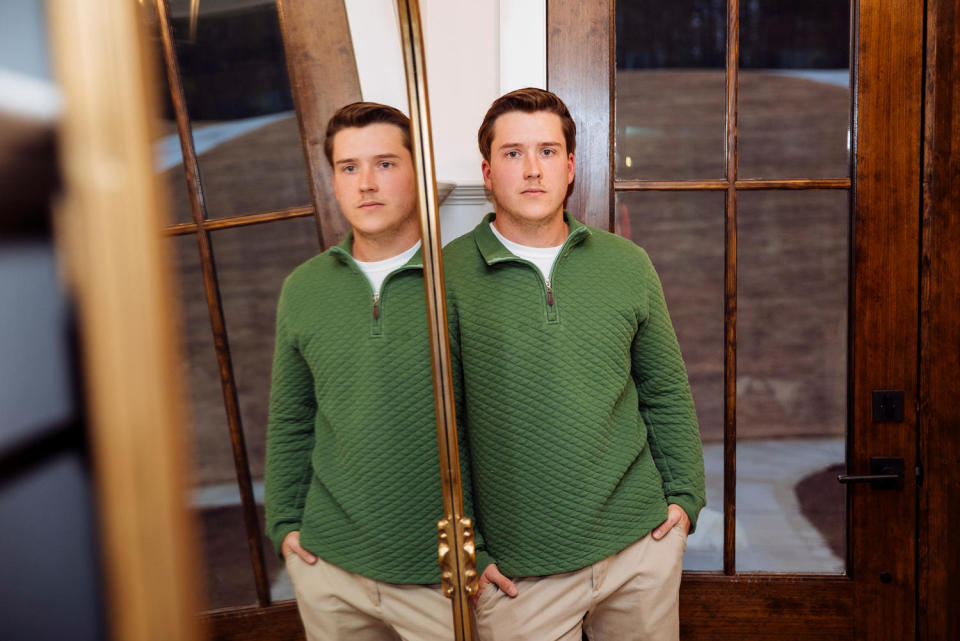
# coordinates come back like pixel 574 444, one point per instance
pixel 507 145
pixel 344 161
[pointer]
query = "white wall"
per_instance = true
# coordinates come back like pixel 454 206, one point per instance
pixel 523 44
pixel 375 31
pixel 476 50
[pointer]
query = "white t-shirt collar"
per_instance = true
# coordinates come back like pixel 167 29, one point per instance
pixel 542 257
pixel 377 271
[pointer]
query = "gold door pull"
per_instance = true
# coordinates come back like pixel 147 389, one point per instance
pixel 466 558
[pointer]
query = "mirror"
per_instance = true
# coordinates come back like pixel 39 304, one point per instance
pixel 247 88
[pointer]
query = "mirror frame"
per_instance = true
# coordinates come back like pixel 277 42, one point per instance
pixel 456 550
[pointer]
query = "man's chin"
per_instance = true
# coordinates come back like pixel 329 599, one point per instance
pixel 372 232
pixel 538 216
pixel 381 229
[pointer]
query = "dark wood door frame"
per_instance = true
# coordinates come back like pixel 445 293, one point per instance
pixel 939 426
pixel 889 98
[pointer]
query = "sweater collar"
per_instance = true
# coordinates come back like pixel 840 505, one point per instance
pixel 493 250
pixel 342 252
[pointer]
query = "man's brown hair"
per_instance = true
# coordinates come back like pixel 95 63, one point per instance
pixel 362 114
pixel 528 100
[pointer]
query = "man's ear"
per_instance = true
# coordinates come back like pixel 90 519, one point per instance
pixel 485 170
pixel 571 168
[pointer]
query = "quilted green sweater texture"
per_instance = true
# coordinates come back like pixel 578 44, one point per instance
pixel 351 439
pixel 574 396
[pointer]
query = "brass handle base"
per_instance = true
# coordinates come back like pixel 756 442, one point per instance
pixel 467 556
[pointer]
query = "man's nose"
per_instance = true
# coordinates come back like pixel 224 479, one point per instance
pixel 368 181
pixel 531 167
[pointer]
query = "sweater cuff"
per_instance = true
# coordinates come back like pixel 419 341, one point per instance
pixel 690 505
pixel 280 532
pixel 483 560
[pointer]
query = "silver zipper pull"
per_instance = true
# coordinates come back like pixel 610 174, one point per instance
pixel 549 292
pixel 376 306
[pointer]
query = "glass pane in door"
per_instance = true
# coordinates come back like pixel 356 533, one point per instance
pixel 794 100
pixel 792 300
pixel 683 234
pixel 670 89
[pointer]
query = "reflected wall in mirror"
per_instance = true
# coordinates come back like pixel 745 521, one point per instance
pixel 307 368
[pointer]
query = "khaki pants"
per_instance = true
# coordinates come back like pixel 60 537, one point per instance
pixel 339 605
pixel 630 596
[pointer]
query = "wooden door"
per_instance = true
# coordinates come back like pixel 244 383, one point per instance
pixel 730 232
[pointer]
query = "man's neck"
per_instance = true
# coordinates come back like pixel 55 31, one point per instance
pixel 370 249
pixel 546 233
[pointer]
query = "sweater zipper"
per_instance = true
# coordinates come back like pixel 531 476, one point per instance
pixel 551 307
pixel 552 316
pixel 377 306
pixel 376 326
pixel 549 281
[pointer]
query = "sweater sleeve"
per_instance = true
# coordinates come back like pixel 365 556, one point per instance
pixel 666 403
pixel 466 476
pixel 290 432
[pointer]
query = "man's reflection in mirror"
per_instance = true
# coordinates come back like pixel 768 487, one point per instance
pixel 586 456
pixel 352 497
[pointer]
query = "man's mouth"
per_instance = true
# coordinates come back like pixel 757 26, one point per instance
pixel 370 204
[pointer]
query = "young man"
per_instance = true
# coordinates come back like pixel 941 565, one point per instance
pixel 586 456
pixel 352 493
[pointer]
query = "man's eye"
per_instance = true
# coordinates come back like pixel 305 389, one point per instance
pixel 513 154
pixel 348 169
pixel 549 152
pixel 386 164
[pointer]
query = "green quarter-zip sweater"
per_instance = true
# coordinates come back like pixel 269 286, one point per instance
pixel 581 426
pixel 352 441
